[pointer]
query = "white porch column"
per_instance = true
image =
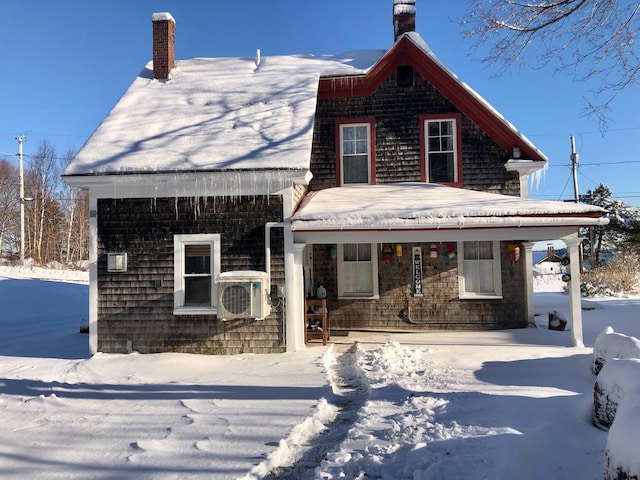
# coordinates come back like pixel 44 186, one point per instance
pixel 93 274
pixel 294 284
pixel 528 282
pixel 573 246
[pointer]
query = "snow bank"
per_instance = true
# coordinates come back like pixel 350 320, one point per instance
pixel 610 344
pixel 59 272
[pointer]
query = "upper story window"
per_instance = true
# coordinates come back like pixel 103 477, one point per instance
pixel 356 152
pixel 196 265
pixel 441 156
pixel 404 76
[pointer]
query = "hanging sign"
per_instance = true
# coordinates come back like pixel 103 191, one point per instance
pixel 417 271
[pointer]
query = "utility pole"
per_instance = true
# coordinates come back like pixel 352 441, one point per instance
pixel 21 139
pixel 575 158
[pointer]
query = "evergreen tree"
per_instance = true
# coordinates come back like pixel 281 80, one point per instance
pixel 621 234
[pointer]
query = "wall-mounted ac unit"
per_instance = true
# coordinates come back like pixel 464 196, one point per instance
pixel 243 294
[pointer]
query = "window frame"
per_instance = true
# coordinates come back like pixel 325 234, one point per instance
pixel 456 118
pixel 496 268
pixel 375 293
pixel 179 244
pixel 369 122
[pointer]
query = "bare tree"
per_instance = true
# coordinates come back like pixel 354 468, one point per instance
pixel 76 205
pixel 45 225
pixel 56 215
pixel 78 235
pixel 592 39
pixel 9 208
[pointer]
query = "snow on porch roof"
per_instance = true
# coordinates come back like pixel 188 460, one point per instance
pixel 216 114
pixel 431 206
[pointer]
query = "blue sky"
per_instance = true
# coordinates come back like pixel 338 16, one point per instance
pixel 65 63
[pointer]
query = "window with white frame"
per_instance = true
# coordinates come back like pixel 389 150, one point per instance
pixel 355 153
pixel 196 264
pixel 441 150
pixel 479 269
pixel 357 270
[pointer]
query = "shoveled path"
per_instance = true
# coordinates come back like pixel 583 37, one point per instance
pixel 349 395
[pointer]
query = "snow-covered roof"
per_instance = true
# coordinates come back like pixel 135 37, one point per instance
pixel 216 114
pixel 428 205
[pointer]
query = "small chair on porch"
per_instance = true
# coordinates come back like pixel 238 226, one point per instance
pixel 316 320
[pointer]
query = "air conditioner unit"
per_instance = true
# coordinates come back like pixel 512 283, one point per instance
pixel 243 294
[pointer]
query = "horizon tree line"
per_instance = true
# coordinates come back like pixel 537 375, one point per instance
pixel 56 225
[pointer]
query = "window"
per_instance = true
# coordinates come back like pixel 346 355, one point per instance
pixel 479 269
pixel 356 153
pixel 441 146
pixel 404 76
pixel 357 270
pixel 196 265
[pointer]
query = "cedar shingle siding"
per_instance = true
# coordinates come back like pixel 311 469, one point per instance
pixel 397 112
pixel 439 308
pixel 137 306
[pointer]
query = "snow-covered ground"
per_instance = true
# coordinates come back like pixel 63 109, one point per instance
pixel 455 405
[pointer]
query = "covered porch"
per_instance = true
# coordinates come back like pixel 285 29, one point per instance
pixel 435 229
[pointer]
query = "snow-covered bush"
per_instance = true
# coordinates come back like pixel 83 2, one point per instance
pixel 588 289
pixel 622 461
pixel 616 379
pixel 616 407
pixel 618 276
pixel 610 344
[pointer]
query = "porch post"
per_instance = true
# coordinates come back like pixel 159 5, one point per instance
pixel 573 246
pixel 93 273
pixel 528 282
pixel 294 297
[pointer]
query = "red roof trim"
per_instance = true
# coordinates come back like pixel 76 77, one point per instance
pixel 404 50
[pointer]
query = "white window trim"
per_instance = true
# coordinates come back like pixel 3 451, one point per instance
pixel 455 147
pixel 497 275
pixel 374 273
pixel 357 124
pixel 179 241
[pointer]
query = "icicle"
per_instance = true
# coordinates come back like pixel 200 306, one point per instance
pixel 537 177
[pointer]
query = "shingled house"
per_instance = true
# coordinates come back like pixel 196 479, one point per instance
pixel 224 192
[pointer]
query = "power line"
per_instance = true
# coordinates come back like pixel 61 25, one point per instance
pixel 592 132
pixel 600 164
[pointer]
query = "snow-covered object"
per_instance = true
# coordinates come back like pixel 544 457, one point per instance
pixel 615 381
pixel 610 344
pixel 622 461
pixel 216 114
pixel 404 7
pixel 227 114
pixel 427 204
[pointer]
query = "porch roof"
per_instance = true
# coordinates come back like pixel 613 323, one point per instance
pixel 426 206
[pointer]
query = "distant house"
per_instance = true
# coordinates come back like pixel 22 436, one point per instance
pixel 226 191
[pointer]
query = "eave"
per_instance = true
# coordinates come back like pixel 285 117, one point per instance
pixel 406 50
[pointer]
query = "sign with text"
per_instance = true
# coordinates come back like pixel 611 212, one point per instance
pixel 417 271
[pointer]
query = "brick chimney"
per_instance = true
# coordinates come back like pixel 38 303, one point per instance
pixel 404 17
pixel 164 42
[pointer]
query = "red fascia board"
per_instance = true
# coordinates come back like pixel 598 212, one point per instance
pixel 406 51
